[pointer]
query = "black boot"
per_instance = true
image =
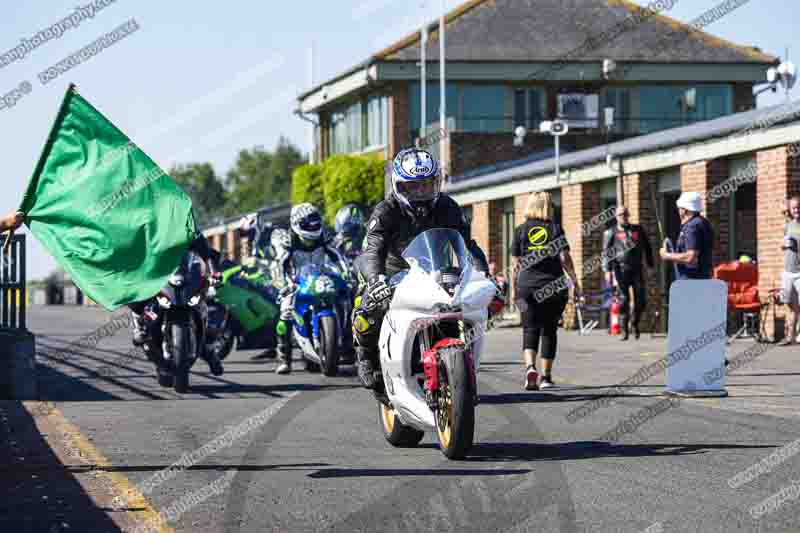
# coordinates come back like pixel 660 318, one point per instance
pixel 623 325
pixel 139 327
pixel 284 355
pixel 636 332
pixel 214 364
pixel 365 363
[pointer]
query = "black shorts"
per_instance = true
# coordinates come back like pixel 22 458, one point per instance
pixel 540 314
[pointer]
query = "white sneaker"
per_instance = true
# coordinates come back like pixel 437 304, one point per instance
pixel 546 383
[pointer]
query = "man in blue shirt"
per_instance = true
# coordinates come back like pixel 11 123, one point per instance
pixel 692 254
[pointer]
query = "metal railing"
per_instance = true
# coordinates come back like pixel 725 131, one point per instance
pixel 13 295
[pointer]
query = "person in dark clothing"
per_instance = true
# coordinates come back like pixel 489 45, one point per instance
pixel 415 205
pixel 201 247
pixel 693 250
pixel 540 259
pixel 626 248
pixel 349 231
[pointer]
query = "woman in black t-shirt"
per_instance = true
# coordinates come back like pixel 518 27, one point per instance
pixel 540 261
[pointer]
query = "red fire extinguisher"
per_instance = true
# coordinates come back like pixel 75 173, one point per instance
pixel 614 312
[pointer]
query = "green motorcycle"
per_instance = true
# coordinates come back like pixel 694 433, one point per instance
pixel 244 307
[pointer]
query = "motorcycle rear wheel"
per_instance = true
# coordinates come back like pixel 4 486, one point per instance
pixel 396 433
pixel 455 416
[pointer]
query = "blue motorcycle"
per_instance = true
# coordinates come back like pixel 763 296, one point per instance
pixel 322 307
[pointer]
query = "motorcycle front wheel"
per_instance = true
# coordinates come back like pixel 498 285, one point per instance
pixel 395 432
pixel 182 346
pixel 328 355
pixel 455 415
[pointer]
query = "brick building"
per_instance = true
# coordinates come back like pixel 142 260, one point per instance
pixel 516 63
pixel 746 165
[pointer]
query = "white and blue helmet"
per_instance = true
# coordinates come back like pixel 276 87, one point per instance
pixel 416 180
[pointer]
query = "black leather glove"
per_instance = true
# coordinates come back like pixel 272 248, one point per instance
pixel 378 292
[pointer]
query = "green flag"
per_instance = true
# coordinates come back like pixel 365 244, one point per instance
pixel 106 212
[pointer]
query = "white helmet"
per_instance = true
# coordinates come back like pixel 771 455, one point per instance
pixel 416 180
pixel 306 222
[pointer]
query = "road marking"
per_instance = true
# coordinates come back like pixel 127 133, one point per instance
pixel 145 512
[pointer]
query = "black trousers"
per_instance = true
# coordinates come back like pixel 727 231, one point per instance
pixel 540 320
pixel 631 282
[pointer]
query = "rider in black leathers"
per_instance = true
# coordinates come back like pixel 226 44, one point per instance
pixel 212 258
pixel 627 246
pixel 414 206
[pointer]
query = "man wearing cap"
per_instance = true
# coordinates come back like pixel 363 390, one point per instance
pixel 692 254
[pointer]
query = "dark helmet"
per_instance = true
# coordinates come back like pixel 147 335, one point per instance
pixel 349 220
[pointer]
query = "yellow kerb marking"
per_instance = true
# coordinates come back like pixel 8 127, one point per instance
pixel 145 512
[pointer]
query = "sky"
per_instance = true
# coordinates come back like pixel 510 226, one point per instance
pixel 199 81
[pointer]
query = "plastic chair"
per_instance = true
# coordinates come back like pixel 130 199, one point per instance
pixel 742 280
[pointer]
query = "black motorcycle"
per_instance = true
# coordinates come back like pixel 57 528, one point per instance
pixel 177 322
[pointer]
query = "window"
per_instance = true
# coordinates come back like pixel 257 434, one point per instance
pixel 482 108
pixel 529 108
pixel 345 130
pixel 662 107
pixel 620 100
pixel 432 113
pixel 362 124
pixel 377 118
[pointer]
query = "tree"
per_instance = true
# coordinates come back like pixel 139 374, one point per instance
pixel 200 182
pixel 260 177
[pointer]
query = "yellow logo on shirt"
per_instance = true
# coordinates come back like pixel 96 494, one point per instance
pixel 537 236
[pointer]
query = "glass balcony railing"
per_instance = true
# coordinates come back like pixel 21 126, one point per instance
pixel 631 125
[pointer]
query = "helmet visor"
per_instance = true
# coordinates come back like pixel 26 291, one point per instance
pixel 311 223
pixel 419 190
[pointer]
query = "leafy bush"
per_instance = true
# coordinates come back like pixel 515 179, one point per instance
pixel 339 180
pixel 307 185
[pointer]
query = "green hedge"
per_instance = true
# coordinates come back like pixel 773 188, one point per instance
pixel 339 180
pixel 306 185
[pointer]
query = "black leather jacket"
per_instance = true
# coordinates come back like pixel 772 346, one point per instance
pixel 390 230
pixel 626 248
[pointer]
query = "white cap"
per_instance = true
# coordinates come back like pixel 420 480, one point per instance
pixel 690 201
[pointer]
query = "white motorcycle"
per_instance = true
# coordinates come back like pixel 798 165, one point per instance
pixel 431 342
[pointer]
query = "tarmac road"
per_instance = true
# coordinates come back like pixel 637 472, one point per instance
pixel 311 456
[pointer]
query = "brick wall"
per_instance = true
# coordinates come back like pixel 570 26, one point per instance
pixel 480 225
pixel 580 202
pixel 398 118
pixel 495 250
pixel 778 178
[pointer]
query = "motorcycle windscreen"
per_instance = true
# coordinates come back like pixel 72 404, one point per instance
pixel 438 251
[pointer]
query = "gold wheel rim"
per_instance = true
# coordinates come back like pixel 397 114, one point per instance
pixel 446 432
pixel 387 415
